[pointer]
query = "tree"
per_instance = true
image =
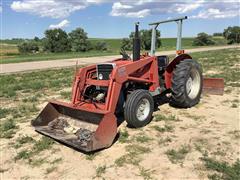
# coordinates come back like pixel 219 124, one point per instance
pixel 145 37
pixel 36 39
pixel 218 34
pixel 101 46
pixel 78 39
pixel 203 39
pixel 232 34
pixel 56 40
pixel 28 47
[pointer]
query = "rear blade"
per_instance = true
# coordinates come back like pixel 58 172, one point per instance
pixel 213 86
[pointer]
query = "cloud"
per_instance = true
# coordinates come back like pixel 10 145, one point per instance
pixel 61 25
pixel 200 8
pixel 1 9
pixel 217 10
pixel 205 9
pixel 52 8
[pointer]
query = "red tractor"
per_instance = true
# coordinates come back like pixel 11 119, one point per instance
pixel 131 87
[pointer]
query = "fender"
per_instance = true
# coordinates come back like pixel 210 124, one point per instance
pixel 171 66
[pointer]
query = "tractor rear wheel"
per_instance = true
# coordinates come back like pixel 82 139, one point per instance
pixel 139 108
pixel 187 84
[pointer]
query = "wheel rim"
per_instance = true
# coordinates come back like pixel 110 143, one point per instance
pixel 193 83
pixel 143 109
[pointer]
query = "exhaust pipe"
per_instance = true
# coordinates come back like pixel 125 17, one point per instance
pixel 136 44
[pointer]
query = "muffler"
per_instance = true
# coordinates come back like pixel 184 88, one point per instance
pixel 82 129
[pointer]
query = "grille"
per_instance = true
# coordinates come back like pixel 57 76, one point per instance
pixel 105 70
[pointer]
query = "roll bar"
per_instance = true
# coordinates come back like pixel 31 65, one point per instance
pixel 179 34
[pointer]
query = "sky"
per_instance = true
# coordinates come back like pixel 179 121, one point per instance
pixel 115 19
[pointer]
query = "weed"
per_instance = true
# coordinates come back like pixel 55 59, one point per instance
pixel 234 105
pixel 143 138
pixel 23 140
pixel 176 156
pixel 223 169
pixel 172 118
pixel 133 155
pixel 4 112
pixel 164 141
pixel 166 128
pixel 145 173
pixel 37 162
pixel 24 154
pixel 159 117
pixel 100 171
pixel 39 146
pixel 55 161
pixel 235 133
pixel 7 128
pixel 43 144
pixel 50 169
pixel 91 156
pixel 123 136
pixel 200 144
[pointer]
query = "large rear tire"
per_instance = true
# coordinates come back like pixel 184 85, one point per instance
pixel 187 82
pixel 139 108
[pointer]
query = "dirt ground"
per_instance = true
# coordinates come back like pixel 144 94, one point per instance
pixel 211 127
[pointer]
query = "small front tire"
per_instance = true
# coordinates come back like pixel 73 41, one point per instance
pixel 139 108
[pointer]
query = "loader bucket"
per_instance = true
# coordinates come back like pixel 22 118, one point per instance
pixel 213 86
pixel 84 130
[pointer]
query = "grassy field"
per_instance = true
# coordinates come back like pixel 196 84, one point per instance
pixel 211 149
pixel 10 54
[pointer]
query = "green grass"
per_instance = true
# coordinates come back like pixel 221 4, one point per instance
pixel 23 140
pixel 100 170
pixel 221 169
pixel 177 156
pixel 113 44
pixel 8 128
pixel 166 128
pixel 146 173
pixel 133 155
pixel 45 143
pixel 142 138
pixel 4 112
pixel 33 82
pixel 164 141
pixel 223 63
pixel 123 136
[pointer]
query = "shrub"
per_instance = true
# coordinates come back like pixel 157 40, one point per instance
pixel 101 46
pixel 28 47
pixel 232 34
pixel 56 40
pixel 203 39
pixel 78 39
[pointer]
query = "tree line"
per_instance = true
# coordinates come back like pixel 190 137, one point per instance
pixel 57 40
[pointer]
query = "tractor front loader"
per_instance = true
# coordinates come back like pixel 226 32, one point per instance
pixel 128 86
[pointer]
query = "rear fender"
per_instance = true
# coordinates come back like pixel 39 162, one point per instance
pixel 171 66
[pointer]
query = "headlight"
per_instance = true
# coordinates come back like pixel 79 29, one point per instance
pixel 100 76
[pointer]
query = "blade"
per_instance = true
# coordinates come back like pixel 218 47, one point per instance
pixel 213 86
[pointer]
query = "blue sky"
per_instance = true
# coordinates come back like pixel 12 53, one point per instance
pixel 114 19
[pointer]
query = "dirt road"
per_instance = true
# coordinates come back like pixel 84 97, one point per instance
pixel 29 66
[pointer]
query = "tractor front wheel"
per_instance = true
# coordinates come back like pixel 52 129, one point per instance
pixel 187 84
pixel 139 108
